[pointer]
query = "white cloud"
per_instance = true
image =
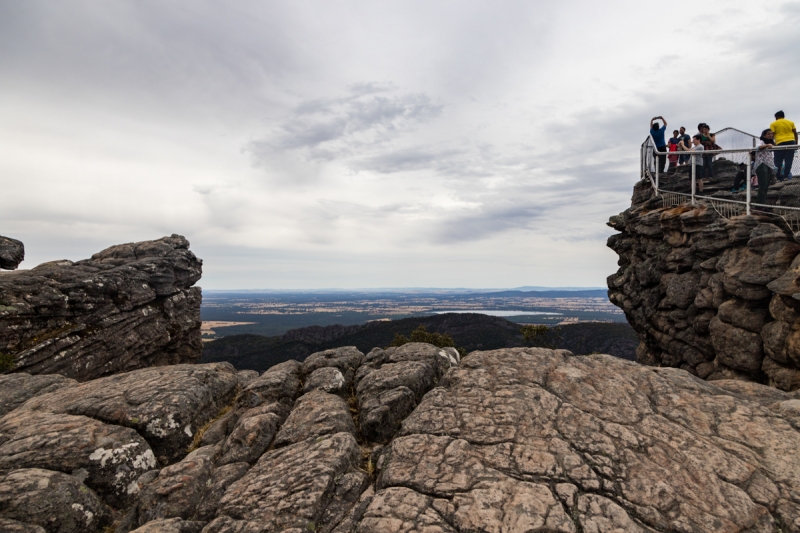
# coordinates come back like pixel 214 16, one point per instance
pixel 363 144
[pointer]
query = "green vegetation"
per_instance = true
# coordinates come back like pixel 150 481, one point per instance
pixel 468 331
pixel 421 334
pixel 6 362
pixel 541 336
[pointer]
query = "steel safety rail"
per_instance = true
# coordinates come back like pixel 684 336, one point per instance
pixel 649 154
pixel 731 208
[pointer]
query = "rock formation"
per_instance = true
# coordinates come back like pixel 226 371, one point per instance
pixel 130 306
pixel 715 296
pixel 12 252
pixel 406 439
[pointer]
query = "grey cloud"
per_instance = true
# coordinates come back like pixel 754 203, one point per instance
pixel 330 128
pixel 488 220
pixel 152 57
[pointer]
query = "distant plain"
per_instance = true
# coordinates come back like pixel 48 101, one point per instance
pixel 276 312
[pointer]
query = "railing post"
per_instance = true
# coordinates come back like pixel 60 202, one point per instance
pixel 694 175
pixel 748 183
pixel 656 152
pixel 641 162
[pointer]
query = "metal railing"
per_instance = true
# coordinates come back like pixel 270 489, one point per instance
pixel 726 208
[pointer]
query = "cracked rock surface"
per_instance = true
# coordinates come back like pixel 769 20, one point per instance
pixel 538 440
pixel 508 441
pixel 129 306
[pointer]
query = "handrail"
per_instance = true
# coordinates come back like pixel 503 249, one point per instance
pixel 736 129
pixel 648 152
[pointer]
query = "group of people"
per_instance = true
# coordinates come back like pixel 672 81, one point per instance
pixel 781 132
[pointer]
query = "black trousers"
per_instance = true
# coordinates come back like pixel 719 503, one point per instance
pixel 661 160
pixel 784 158
pixel 741 177
pixel 707 160
pixel 764 174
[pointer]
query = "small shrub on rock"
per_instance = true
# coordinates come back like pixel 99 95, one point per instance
pixel 421 334
pixel 541 336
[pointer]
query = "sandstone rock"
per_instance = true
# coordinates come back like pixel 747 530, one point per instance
pixel 392 382
pixel 107 458
pixel 57 502
pixel 315 414
pixel 220 428
pixel 289 488
pixel 250 438
pixel 401 510
pixel 346 359
pixel 165 404
pixel 12 252
pixel 127 307
pixel 178 489
pixel 327 379
pixel 246 377
pixel 647 450
pixel 220 480
pixel 701 289
pixel 736 348
pixel 16 389
pixel 12 526
pixel 171 525
pixel 281 383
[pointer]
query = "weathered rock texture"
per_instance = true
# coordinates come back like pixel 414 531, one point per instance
pixel 715 296
pixel 12 252
pixel 507 441
pixel 129 306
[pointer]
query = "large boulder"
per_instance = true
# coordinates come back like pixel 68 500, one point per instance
pixel 391 382
pixel 107 458
pixel 166 405
pixel 12 253
pixel 57 502
pixel 291 487
pixel 129 306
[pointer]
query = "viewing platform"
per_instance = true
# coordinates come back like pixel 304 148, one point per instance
pixel 676 186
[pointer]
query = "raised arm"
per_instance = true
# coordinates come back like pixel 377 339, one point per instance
pixel 664 121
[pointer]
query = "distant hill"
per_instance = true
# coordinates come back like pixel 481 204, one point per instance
pixel 471 331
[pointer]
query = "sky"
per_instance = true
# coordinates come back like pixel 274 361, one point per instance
pixel 356 144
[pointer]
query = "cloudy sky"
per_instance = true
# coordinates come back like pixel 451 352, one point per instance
pixel 319 144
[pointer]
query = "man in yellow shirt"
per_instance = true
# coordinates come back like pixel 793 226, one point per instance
pixel 785 135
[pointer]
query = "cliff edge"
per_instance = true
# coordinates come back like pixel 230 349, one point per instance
pixel 715 296
pixel 129 306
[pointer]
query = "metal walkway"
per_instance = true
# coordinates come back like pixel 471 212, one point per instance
pixel 746 144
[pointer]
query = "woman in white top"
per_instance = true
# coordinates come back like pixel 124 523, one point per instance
pixel 764 165
pixel 697 161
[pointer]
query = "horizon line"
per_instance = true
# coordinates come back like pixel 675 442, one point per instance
pixel 396 289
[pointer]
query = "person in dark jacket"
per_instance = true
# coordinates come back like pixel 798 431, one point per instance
pixel 657 133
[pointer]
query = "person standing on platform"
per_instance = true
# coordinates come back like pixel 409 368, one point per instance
pixel 687 140
pixel 657 133
pixel 764 165
pixel 709 141
pixel 785 135
pixel 673 147
pixel 697 160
